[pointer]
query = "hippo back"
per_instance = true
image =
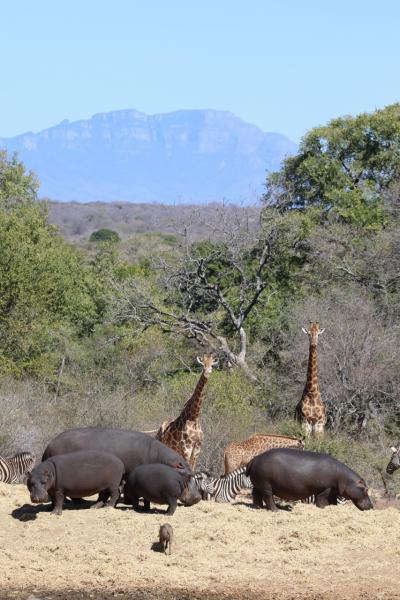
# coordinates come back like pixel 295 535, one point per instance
pixel 134 448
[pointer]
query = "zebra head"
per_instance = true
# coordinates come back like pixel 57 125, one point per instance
pixel 394 462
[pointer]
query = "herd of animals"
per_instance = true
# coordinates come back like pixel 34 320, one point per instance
pixel 162 469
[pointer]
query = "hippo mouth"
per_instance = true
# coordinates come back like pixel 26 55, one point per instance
pixel 39 499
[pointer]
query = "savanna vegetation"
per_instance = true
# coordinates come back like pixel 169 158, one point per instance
pixel 106 332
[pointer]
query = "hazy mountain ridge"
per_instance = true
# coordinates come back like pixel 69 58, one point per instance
pixel 183 156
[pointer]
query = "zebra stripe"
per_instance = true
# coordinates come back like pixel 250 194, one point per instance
pixel 311 500
pixel 222 489
pixel 12 469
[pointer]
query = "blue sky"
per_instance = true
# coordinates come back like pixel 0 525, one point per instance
pixel 284 65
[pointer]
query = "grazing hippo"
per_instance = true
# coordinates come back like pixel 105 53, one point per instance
pixel 296 474
pixel 166 536
pixel 394 462
pixel 160 484
pixel 134 448
pixel 76 475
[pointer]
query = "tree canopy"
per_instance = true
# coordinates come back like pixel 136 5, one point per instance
pixel 342 168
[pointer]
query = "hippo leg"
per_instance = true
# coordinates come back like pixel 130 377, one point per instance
pixel 135 502
pixel 114 497
pixel 102 499
pixel 172 504
pixel 268 498
pixel 326 498
pixel 57 499
pixel 257 498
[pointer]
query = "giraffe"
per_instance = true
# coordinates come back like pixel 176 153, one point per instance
pixel 238 454
pixel 311 411
pixel 184 434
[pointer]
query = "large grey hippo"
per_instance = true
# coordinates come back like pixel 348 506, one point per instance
pixel 296 474
pixel 134 448
pixel 76 475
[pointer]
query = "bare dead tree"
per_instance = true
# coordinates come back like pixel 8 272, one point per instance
pixel 210 288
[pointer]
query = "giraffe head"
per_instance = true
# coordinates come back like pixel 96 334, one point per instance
pixel 208 362
pixel 313 333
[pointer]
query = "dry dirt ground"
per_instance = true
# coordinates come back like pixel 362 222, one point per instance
pixel 221 551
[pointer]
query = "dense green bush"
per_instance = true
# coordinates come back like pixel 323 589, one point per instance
pixel 105 235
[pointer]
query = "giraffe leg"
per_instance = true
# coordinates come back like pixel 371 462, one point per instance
pixel 307 427
pixel 194 455
pixel 319 428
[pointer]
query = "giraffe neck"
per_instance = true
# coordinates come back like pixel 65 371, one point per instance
pixel 191 410
pixel 312 373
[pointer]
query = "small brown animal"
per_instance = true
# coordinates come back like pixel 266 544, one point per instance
pixel 166 535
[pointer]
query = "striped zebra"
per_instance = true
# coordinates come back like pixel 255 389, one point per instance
pixel 224 488
pixel 12 469
pixel 311 500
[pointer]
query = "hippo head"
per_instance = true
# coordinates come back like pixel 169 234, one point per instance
pixel 394 462
pixel 313 333
pixel 38 482
pixel 191 494
pixel 357 492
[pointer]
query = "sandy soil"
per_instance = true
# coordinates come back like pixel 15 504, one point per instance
pixel 221 551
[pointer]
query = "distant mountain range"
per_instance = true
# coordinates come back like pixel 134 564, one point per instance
pixel 187 156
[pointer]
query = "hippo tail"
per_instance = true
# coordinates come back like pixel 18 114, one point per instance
pixel 249 467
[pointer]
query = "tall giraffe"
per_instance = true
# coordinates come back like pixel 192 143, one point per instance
pixel 311 411
pixel 184 434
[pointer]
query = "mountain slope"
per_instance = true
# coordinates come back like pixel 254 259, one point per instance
pixel 184 156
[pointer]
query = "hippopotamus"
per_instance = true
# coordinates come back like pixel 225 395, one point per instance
pixel 160 484
pixel 297 474
pixel 134 448
pixel 76 475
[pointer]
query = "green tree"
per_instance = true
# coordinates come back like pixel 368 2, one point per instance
pixel 104 235
pixel 342 167
pixel 46 289
pixel 16 186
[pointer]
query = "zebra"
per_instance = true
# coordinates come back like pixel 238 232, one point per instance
pixel 311 500
pixel 224 488
pixel 394 462
pixel 12 469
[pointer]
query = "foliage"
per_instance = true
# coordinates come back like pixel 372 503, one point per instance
pixel 105 235
pixel 342 168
